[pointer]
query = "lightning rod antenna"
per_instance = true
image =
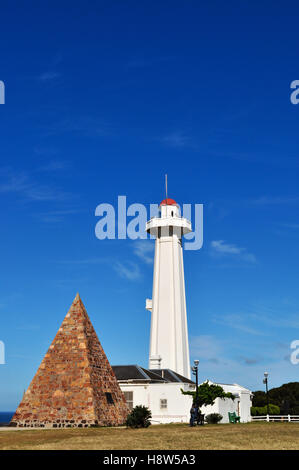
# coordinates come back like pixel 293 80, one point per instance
pixel 166 186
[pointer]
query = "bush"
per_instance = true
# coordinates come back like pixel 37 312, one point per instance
pixel 213 418
pixel 262 410
pixel 139 417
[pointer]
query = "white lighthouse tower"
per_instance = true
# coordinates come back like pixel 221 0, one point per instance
pixel 169 348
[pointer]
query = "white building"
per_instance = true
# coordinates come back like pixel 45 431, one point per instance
pixel 159 387
pixel 160 391
pixel 240 405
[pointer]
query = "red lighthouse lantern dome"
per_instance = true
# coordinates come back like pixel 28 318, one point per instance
pixel 168 202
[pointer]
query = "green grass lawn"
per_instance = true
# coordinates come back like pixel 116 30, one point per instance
pixel 165 436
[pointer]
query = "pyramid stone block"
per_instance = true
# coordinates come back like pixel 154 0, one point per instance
pixel 75 384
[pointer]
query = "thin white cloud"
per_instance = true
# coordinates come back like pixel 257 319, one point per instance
pixel 280 321
pixel 293 226
pixel 175 139
pixel 85 125
pixel 128 271
pixel 221 248
pixel 48 76
pixel 67 283
pixel 146 61
pixel 273 200
pixel 238 322
pixel 258 320
pixel 56 216
pixel 28 327
pixel 45 151
pixel 87 261
pixel 206 347
pixel 144 249
pixel 24 184
pixel 51 73
pixel 54 165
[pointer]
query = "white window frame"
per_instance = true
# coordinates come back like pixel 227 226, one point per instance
pixel 130 402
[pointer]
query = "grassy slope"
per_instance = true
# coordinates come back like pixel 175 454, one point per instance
pixel 173 436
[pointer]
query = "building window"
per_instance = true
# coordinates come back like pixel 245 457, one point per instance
pixel 129 399
pixel 109 398
pixel 163 404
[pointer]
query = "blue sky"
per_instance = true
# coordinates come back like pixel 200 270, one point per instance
pixel 103 99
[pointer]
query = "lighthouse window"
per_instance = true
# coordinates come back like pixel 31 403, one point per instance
pixel 163 404
pixel 171 213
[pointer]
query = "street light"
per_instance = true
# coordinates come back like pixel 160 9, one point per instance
pixel 265 381
pixel 195 372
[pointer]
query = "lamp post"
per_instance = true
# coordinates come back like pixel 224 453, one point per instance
pixel 265 381
pixel 195 372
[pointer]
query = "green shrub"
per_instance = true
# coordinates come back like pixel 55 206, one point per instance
pixel 213 418
pixel 139 417
pixel 262 410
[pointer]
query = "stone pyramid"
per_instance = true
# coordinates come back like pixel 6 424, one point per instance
pixel 75 384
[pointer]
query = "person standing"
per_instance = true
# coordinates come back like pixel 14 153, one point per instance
pixel 192 415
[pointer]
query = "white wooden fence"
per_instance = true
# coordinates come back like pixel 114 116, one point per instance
pixel 280 418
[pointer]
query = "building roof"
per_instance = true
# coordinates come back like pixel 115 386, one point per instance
pixel 135 373
pixel 233 388
pixel 172 376
pixel 168 202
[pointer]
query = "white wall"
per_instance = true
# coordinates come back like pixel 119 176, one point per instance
pixel 240 405
pixel 178 405
pixel 245 405
pixel 222 406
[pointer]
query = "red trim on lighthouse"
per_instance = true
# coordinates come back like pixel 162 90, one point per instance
pixel 168 202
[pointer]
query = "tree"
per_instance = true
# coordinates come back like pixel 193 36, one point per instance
pixel 259 398
pixel 207 394
pixel 286 397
